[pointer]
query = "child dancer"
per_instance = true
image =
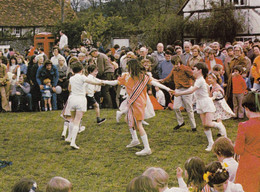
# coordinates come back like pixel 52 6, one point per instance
pixel 46 94
pixel 77 102
pixel 217 177
pixel 224 150
pixel 223 111
pixel 90 89
pixel 204 104
pixel 136 81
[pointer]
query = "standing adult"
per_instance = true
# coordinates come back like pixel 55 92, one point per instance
pixel 35 89
pixel 187 54
pixel 159 54
pixel 247 145
pixel 63 43
pixel 255 71
pixel 48 71
pixel 4 87
pixel 218 54
pixel 105 72
pixel 212 60
pixel 196 58
pixel 56 56
pixel 182 76
pixel 164 69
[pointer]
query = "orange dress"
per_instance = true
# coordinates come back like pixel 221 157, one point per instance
pixel 247 145
pixel 140 103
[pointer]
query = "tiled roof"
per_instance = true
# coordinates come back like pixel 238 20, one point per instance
pixel 32 12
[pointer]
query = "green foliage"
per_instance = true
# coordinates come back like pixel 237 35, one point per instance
pixel 103 163
pixel 223 23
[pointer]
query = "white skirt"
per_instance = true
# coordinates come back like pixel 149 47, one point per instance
pixel 148 111
pixel 205 105
pixel 76 103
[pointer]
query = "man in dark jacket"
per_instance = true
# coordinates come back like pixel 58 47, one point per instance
pixel 48 71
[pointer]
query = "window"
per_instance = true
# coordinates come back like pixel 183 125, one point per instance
pixel 238 2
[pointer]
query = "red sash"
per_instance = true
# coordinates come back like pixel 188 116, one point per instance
pixel 137 90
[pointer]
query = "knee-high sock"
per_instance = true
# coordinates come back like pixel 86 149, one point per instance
pixel 134 134
pixel 74 134
pixel 209 136
pixel 221 128
pixel 145 141
pixel 65 128
pixel 70 131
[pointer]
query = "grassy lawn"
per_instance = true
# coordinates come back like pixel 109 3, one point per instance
pixel 103 163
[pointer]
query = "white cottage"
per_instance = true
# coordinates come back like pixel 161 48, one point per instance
pixel 192 9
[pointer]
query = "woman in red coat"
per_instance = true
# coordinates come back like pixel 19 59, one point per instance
pixel 248 145
pixel 212 60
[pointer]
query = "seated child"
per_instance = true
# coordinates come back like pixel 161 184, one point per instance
pixel 59 184
pixel 224 150
pixel 25 185
pixel 217 177
pixel 90 89
pixel 160 96
pixel 160 180
pixel 141 184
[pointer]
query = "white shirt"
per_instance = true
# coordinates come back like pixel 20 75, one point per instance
pixel 55 60
pixel 160 97
pixel 212 64
pixel 234 187
pixel 77 84
pixel 90 88
pixel 232 168
pixel 202 91
pixel 63 41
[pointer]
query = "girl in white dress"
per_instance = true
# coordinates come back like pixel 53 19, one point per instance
pixel 204 104
pixel 77 102
pixel 223 111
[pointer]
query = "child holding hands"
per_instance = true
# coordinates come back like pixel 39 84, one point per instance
pixel 204 104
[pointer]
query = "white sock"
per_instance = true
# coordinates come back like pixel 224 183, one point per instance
pixel 221 128
pixel 74 134
pixel 65 128
pixel 134 134
pixel 50 109
pixel 70 130
pixel 145 141
pixel 209 136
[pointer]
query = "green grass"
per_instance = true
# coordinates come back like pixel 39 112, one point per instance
pixel 103 163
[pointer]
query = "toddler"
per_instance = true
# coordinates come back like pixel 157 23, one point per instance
pixel 46 94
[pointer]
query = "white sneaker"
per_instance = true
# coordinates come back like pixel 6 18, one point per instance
pixel 144 152
pixel 144 122
pixel 118 116
pixel 133 143
pixel 74 146
pixel 209 147
pixel 81 129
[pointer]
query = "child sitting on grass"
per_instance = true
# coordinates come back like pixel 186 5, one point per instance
pixel 217 177
pixel 224 150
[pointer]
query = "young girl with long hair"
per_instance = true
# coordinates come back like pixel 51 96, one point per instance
pixel 204 104
pixel 136 82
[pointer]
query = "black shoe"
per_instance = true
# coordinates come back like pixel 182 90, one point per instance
pixel 178 126
pixel 101 121
pixel 194 129
pixel 219 135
